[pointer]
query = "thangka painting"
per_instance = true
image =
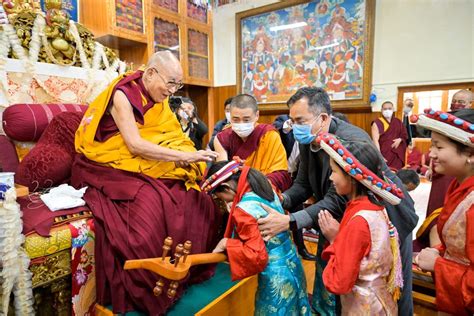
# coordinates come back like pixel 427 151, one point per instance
pixel 325 43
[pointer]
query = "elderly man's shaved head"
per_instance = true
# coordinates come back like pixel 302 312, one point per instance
pixel 166 62
pixel 163 75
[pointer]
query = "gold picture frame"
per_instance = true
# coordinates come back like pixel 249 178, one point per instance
pixel 327 43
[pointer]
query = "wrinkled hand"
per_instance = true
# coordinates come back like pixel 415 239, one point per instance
pixel 426 259
pixel 201 155
pixel 329 226
pixel 396 143
pixel 273 224
pixel 221 246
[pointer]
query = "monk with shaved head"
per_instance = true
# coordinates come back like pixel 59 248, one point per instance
pixel 142 174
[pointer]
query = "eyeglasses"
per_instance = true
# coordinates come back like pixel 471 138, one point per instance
pixel 170 85
pixel 464 102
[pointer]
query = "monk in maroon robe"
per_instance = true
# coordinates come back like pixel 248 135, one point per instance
pixel 142 176
pixel 390 137
pixel 414 157
pixel 258 144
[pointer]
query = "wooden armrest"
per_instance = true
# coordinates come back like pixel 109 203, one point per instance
pixel 21 190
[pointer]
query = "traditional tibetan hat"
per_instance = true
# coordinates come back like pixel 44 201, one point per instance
pixel 344 158
pixel 234 166
pixel 446 124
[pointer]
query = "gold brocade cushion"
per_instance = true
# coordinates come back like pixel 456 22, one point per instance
pixel 37 246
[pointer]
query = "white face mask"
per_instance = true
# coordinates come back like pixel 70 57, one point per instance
pixel 243 129
pixel 387 113
pixel 407 109
pixel 227 116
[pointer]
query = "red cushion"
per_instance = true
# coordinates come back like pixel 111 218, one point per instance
pixel 8 156
pixel 49 163
pixel 27 122
pixel 44 167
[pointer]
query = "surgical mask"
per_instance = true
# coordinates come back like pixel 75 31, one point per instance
pixel 457 106
pixel 243 129
pixel 302 133
pixel 387 113
pixel 227 116
pixel 406 110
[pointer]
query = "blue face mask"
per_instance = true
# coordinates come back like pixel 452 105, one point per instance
pixel 302 133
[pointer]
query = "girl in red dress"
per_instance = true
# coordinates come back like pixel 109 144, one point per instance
pixel 364 265
pixel 452 153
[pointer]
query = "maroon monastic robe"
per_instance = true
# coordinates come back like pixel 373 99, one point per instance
pixel 414 160
pixel 395 156
pixel 235 146
pixel 133 215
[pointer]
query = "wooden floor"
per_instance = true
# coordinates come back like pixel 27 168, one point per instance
pixel 309 269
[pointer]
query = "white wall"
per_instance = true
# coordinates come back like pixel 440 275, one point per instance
pixel 416 42
pixel 421 42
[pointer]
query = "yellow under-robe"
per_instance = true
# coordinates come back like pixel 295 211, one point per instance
pixel 160 127
pixel 270 155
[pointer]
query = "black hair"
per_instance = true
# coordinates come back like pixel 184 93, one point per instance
pixel 468 116
pixel 408 176
pixel 341 116
pixel 187 100
pixel 366 153
pixel 258 181
pixel 227 101
pixel 244 101
pixel 175 103
pixel 318 99
pixel 388 102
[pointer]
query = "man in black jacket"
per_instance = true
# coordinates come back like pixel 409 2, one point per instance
pixel 310 111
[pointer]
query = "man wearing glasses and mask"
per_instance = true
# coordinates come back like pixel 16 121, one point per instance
pixel 310 111
pixel 142 175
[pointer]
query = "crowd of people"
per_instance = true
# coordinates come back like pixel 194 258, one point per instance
pixel 141 157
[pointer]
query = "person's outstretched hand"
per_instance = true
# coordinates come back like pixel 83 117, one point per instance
pixel 273 224
pixel 201 155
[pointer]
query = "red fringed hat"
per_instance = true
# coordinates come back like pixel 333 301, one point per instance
pixel 223 174
pixel 446 124
pixel 333 147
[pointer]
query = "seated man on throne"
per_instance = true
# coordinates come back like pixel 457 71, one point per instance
pixel 142 175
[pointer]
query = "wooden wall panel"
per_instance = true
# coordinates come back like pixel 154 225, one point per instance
pixel 220 94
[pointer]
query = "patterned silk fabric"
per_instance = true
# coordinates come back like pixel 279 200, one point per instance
pixel 370 295
pixel 282 285
pixel 454 232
